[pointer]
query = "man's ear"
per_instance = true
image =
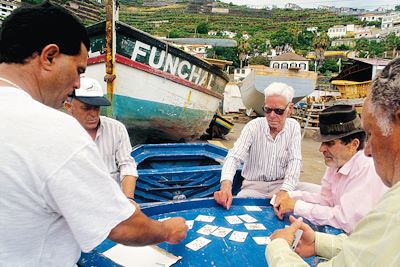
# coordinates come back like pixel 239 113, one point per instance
pixel 49 53
pixel 68 106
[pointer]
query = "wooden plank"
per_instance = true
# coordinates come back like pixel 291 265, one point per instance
pixel 216 143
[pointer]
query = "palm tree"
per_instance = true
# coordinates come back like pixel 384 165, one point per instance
pixel 320 42
pixel 243 49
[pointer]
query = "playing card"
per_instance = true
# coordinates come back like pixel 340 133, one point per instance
pixel 198 243
pixel 190 224
pixel 254 226
pixel 221 231
pixel 204 218
pixel 272 202
pixel 207 229
pixel 233 219
pixel 262 240
pixel 238 236
pixel 252 208
pixel 247 218
pixel 296 240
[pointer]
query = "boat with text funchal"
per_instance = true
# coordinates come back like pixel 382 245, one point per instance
pixel 160 92
pixel 252 87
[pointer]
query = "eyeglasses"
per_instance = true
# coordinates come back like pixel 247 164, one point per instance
pixel 278 111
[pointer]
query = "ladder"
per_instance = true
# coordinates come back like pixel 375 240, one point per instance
pixel 311 117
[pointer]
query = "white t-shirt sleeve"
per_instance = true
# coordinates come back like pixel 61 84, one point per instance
pixel 87 197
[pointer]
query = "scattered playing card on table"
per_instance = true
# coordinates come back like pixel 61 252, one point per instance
pixel 254 226
pixel 247 218
pixel 221 231
pixel 207 229
pixel 198 243
pixel 262 240
pixel 233 219
pixel 252 208
pixel 238 236
pixel 204 218
pixel 190 224
pixel 272 202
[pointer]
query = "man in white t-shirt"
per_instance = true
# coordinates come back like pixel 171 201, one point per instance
pixel 57 197
pixel 110 136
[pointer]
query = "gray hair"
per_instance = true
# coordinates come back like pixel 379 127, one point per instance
pixel 281 89
pixel 385 96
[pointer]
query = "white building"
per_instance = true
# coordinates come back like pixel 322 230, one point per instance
pixel 368 33
pixel 371 17
pixel 289 61
pixel 212 33
pixel 338 31
pixel 229 34
pixel 312 29
pixel 219 10
pixel 240 74
pixel 198 50
pixel 391 20
pixel 8 6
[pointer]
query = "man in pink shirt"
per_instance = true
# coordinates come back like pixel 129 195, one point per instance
pixel 350 187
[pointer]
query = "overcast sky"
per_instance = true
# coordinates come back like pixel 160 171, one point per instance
pixel 315 3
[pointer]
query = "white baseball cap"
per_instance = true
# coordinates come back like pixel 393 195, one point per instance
pixel 90 93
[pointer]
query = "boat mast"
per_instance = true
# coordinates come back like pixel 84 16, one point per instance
pixel 110 52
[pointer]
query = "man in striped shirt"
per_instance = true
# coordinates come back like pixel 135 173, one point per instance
pixel 110 136
pixel 270 148
pixel 375 240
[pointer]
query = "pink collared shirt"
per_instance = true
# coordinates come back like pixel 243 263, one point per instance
pixel 346 195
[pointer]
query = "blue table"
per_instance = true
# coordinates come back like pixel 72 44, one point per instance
pixel 221 251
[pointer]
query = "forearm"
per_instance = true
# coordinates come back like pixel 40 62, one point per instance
pixel 278 253
pixel 128 185
pixel 328 246
pixel 139 230
pixel 325 215
pixel 292 175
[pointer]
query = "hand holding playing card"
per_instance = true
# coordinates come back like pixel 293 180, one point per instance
pixel 306 245
pixel 175 229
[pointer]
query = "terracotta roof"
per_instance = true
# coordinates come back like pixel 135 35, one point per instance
pixel 289 56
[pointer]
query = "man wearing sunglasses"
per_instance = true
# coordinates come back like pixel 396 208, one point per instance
pixel 270 148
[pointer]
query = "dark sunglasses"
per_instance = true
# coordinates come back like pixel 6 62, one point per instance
pixel 278 111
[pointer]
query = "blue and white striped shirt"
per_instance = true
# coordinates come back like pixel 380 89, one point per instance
pixel 265 158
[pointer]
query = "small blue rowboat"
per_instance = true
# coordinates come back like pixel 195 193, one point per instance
pixel 179 171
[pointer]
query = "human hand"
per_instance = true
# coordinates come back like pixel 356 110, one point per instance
pixel 224 195
pixel 284 205
pixel 176 229
pixel 306 246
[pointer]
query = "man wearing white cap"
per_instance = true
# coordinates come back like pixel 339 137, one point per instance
pixel 270 148
pixel 110 136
